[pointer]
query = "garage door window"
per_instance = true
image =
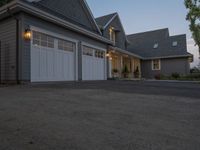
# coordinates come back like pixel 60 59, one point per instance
pixel 44 40
pixel 66 45
pixel 99 54
pixel 87 51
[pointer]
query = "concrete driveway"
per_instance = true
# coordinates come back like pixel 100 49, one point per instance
pixel 107 115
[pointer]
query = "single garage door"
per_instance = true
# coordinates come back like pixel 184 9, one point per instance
pixel 93 64
pixel 52 59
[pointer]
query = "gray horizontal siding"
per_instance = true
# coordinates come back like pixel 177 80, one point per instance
pixel 8 49
pixel 168 66
pixel 37 22
pixel 120 36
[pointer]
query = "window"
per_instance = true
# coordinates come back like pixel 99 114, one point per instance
pixel 44 40
pixel 175 43
pixel 156 65
pixel 66 45
pixel 155 45
pixel 99 54
pixel 87 51
pixel 112 34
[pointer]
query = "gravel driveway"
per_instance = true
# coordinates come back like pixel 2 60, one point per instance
pixel 107 115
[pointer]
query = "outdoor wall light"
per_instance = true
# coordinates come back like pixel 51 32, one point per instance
pixel 27 34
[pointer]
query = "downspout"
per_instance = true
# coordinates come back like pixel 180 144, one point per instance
pixel 17 44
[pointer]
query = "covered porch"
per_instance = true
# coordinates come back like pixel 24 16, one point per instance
pixel 123 64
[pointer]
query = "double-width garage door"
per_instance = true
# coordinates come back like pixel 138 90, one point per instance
pixel 55 59
pixel 52 59
pixel 93 64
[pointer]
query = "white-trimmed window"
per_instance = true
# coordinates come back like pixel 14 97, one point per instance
pixel 99 54
pixel 41 39
pixel 156 64
pixel 88 51
pixel 66 45
pixel 112 34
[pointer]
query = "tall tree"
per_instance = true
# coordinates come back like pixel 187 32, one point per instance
pixel 193 17
pixel 3 2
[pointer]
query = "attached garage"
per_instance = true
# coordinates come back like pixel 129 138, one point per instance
pixel 93 63
pixel 53 58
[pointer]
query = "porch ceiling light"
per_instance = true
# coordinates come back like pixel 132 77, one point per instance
pixel 107 55
pixel 27 34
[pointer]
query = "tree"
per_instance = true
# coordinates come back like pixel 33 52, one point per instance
pixel 193 17
pixel 3 2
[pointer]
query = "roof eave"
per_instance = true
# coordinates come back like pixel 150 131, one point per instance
pixel 30 9
pixel 163 57
pixel 126 52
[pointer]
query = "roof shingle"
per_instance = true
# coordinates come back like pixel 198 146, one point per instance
pixel 143 44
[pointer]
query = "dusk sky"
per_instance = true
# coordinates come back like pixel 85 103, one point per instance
pixel 144 15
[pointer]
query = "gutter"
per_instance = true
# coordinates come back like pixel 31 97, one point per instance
pixel 163 57
pixel 125 52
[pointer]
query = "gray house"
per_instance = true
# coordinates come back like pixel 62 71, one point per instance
pixel 147 54
pixel 50 40
pixel 119 56
pixel 162 54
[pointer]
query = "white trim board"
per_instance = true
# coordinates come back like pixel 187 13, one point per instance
pixel 93 46
pixel 152 62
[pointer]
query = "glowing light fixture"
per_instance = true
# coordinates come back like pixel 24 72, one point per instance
pixel 27 34
pixel 107 55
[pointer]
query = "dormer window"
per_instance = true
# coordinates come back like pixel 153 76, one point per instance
pixel 112 34
pixel 175 43
pixel 155 45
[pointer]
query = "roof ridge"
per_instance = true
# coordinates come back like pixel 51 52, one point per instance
pixel 148 31
pixel 106 15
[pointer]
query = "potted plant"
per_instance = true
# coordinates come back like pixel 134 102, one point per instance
pixel 125 71
pixel 115 73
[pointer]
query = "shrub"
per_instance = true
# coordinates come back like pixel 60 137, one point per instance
pixel 115 71
pixel 157 76
pixel 125 69
pixel 175 75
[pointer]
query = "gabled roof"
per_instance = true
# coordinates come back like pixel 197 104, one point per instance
pixel 16 6
pixel 143 44
pixel 155 35
pixel 81 17
pixel 104 20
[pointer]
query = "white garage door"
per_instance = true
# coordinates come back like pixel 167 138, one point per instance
pixel 52 59
pixel 93 64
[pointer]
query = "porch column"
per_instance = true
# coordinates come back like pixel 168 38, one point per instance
pixel 109 60
pixel 121 65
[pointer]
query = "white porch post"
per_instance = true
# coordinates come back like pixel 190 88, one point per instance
pixel 109 67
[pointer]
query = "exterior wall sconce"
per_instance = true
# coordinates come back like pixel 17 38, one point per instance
pixel 27 34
